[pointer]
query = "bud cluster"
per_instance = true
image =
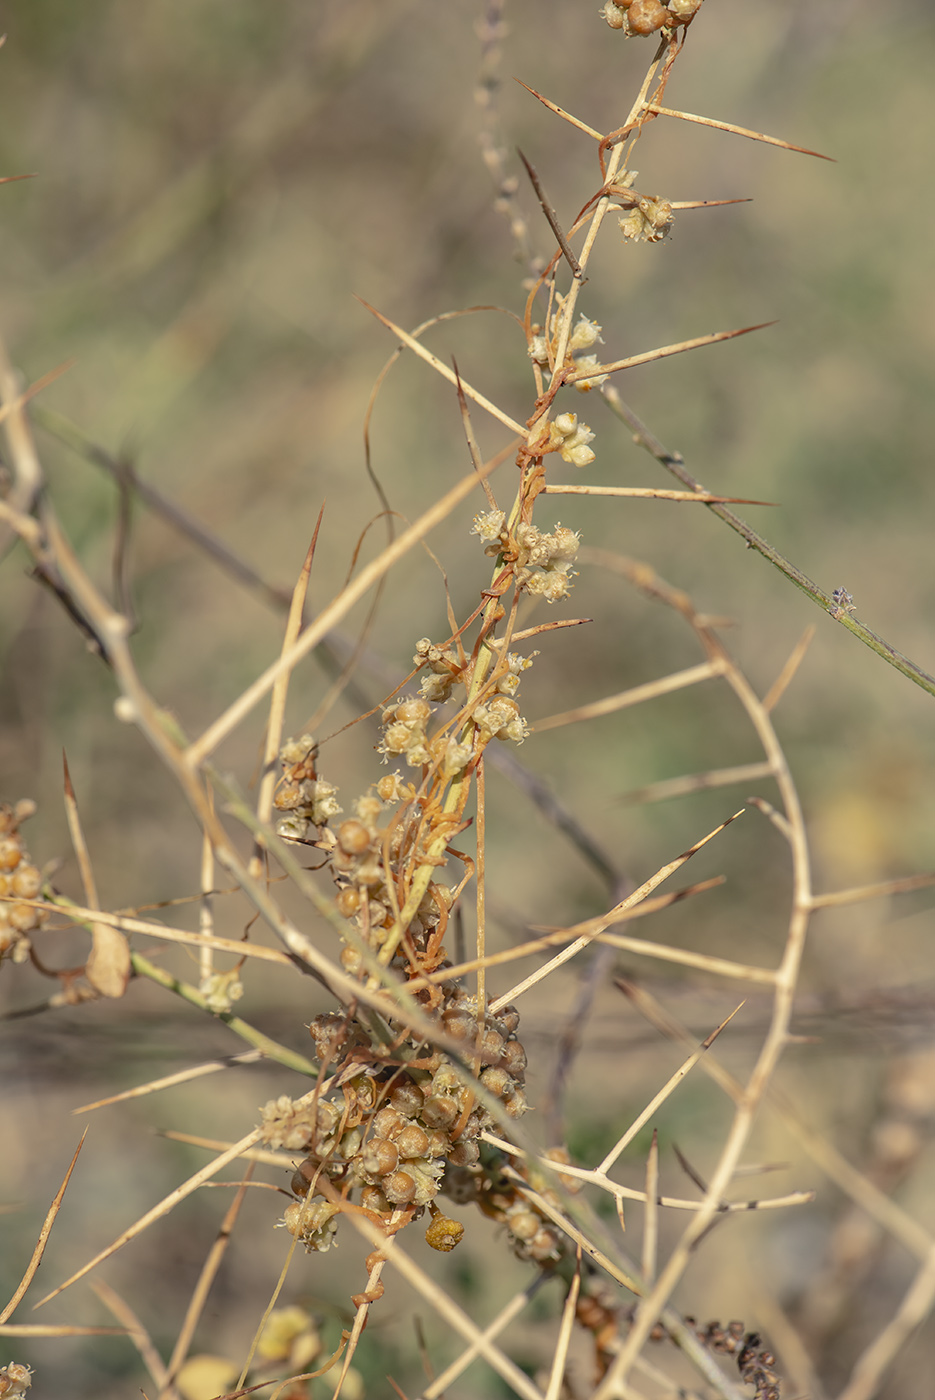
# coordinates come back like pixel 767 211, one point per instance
pixel 545 561
pixel 648 221
pixel 309 800
pixel 543 348
pixel 20 880
pixel 15 1380
pixel 570 439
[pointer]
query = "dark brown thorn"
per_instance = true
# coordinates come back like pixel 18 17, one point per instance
pixel 552 217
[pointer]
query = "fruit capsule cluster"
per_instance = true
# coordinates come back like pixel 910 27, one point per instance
pixel 20 880
pixel 388 1143
pixel 648 16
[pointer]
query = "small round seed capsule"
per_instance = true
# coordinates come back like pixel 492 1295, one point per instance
pixel 412 1141
pixel 525 1225
pixel 399 1188
pixel 464 1154
pixel 545 1245
pixel 302 1177
pixel 387 1123
pixel 292 1217
pixel 459 1023
pixel 682 10
pixel 614 13
pixel 10 854
pixel 352 961
pixel 509 1020
pixel 439 1112
pixel 26 881
pixel 348 902
pixel 23 917
pixel 497 1081
pixel 380 1156
pixel 407 1098
pixel 353 837
pixel 646 16
pixel 372 1198
pixel 438 1144
pixel 413 712
pixel 515 1103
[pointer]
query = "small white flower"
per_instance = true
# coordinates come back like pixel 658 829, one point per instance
pixel 585 334
pixel 538 350
pixel 584 386
pixel 488 525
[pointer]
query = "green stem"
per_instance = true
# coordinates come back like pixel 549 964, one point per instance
pixel 270 1048
pixel 674 463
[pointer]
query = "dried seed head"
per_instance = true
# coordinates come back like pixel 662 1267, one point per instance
pixel 649 221
pixel 313 1222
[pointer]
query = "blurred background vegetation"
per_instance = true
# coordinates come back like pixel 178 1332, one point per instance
pixel 215 181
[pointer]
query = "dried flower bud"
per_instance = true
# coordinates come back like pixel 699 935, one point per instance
pixel 683 10
pixel 444 1234
pixel 615 15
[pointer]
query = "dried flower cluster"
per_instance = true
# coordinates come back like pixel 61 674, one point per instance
pixel 755 1363
pixel 399 1111
pixel 608 1323
pixel 20 880
pixel 387 1137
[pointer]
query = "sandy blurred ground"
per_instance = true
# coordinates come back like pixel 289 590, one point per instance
pixel 215 182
